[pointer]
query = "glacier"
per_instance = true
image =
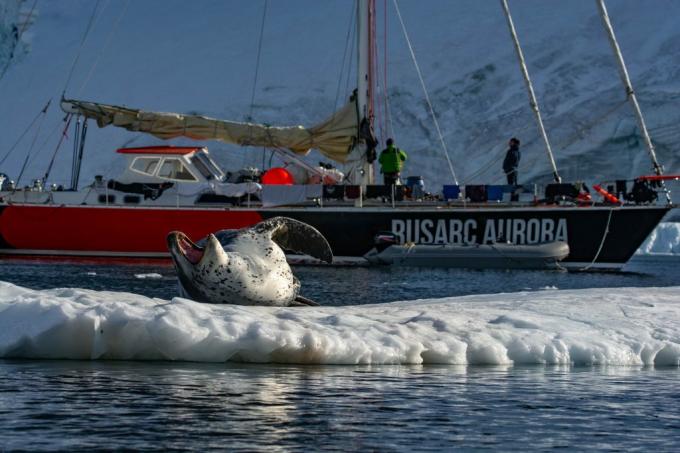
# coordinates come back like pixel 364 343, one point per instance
pixel 200 57
pixel 629 326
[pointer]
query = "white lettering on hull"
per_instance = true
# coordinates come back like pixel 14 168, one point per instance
pixel 456 231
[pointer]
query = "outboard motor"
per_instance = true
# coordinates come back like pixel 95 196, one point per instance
pixel 4 181
pixel 248 174
pixel 385 239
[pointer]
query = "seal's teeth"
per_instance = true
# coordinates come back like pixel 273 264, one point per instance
pixel 214 250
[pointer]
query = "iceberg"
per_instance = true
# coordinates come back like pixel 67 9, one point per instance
pixel 665 239
pixel 626 326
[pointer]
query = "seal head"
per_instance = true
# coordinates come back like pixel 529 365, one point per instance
pixel 246 266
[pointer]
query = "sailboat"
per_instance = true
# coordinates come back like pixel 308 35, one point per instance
pixel 166 188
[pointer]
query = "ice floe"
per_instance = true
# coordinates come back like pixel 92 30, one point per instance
pixel 622 326
pixel 151 275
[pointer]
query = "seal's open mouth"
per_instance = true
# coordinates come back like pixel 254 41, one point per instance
pixel 186 247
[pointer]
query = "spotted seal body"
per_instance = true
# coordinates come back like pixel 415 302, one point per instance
pixel 246 266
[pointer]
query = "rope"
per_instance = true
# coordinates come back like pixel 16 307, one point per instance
pixel 67 120
pixel 380 94
pixel 30 149
pixel 106 45
pixel 344 56
pixel 21 32
pixel 257 61
pixel 44 143
pixel 580 134
pixel 23 134
pixel 82 44
pixel 389 122
pixel 427 96
pixel 484 168
pixel 604 236
pixel 351 55
pixel 373 62
pixel 247 156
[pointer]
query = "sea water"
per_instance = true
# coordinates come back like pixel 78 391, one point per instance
pixel 398 359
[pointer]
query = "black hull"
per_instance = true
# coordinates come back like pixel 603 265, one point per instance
pixel 604 237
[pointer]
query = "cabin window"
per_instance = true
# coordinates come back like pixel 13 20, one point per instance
pixel 146 165
pixel 175 169
pixel 203 168
pixel 210 164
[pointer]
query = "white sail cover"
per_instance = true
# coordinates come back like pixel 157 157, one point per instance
pixel 334 137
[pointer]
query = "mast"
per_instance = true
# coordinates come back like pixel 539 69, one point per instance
pixel 365 8
pixel 530 90
pixel 629 87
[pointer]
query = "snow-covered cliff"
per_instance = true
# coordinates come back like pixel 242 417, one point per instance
pixel 200 57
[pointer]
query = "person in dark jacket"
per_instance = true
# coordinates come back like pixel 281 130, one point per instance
pixel 511 161
pixel 391 162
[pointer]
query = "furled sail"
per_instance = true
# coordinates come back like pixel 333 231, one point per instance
pixel 334 137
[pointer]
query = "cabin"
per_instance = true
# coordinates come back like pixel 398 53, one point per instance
pixel 175 164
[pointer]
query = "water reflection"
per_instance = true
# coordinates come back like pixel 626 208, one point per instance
pixel 164 405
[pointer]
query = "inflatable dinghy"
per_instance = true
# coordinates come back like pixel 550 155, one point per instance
pixel 476 256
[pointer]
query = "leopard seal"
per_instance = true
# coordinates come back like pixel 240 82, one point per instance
pixel 246 266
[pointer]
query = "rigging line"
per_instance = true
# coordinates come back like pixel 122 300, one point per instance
pixel 388 117
pixel 561 146
pixel 388 109
pixel 23 134
pixel 257 61
pixel 495 150
pixel 375 69
pixel 351 56
pixel 44 143
pixel 373 52
pixel 484 168
pixel 90 23
pixel 24 26
pixel 67 120
pixel 380 101
pixel 106 45
pixel 427 96
pixel 348 44
pixel 249 119
pixel 392 131
pixel 379 114
pixel 581 133
pixel 35 138
pixel 28 18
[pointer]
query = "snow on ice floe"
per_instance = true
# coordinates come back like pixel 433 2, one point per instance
pixel 665 239
pixel 625 326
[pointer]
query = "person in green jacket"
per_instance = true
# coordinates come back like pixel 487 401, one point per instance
pixel 391 162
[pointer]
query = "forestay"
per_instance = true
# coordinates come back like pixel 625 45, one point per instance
pixel 334 137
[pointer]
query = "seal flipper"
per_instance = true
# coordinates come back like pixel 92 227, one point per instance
pixel 297 236
pixel 301 301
